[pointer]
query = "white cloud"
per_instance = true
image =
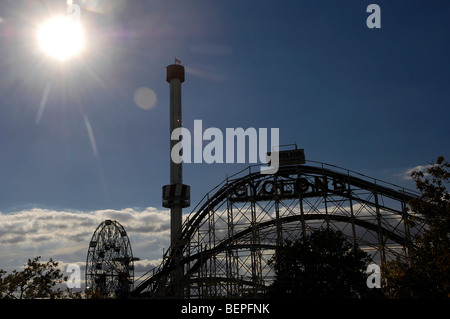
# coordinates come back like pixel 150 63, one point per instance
pixel 406 174
pixel 64 236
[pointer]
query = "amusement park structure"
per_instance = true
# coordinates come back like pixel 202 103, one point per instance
pixel 223 247
pixel 229 237
pixel 109 262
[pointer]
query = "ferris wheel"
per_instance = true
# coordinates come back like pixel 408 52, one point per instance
pixel 109 262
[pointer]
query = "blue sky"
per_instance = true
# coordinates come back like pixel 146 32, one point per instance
pixel 371 100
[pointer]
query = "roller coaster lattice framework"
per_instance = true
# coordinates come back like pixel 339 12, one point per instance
pixel 227 240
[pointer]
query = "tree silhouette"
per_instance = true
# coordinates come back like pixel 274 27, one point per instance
pixel 322 265
pixel 426 271
pixel 36 280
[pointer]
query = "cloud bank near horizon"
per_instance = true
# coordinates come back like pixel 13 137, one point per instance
pixel 64 236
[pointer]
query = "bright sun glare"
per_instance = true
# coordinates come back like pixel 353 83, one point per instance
pixel 61 37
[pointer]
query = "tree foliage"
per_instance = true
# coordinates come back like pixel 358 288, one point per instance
pixel 322 265
pixel 426 271
pixel 36 280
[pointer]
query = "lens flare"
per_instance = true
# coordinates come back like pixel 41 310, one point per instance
pixel 145 98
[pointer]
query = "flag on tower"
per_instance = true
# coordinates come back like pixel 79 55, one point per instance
pixel 177 61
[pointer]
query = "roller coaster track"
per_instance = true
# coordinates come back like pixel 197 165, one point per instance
pixel 226 241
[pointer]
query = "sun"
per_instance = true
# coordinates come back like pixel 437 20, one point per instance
pixel 61 38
